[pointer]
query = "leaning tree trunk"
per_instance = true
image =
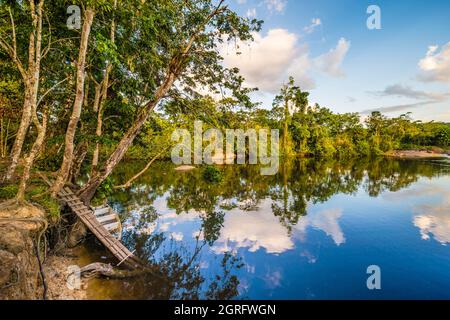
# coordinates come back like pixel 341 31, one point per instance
pixel 88 191
pixel 77 105
pixel 174 69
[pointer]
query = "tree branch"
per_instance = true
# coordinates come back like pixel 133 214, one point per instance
pixel 49 90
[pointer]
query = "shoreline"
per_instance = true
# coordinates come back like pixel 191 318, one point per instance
pixel 416 154
pixel 20 277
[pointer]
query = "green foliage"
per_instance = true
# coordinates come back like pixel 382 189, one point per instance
pixel 50 205
pixel 212 174
pixel 8 191
pixel 104 191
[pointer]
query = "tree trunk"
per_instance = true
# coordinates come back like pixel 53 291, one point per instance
pixel 104 95
pixel 77 105
pixel 20 137
pixel 31 83
pixel 173 70
pixel 80 155
pixel 88 191
pixel 35 150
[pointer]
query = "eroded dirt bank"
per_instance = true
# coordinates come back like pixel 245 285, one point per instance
pixel 21 232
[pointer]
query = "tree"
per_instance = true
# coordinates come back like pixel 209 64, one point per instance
pixel 292 100
pixel 190 56
pixel 30 73
pixel 63 173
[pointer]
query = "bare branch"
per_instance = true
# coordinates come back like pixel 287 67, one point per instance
pixel 49 90
pixel 14 34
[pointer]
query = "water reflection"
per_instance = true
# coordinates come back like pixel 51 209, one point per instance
pixel 434 220
pixel 243 236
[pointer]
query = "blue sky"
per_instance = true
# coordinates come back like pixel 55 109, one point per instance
pixel 327 47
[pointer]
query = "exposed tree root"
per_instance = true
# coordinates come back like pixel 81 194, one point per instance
pixel 98 269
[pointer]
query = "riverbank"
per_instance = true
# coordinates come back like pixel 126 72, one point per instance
pixel 417 154
pixel 22 271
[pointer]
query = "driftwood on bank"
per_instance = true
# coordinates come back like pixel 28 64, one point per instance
pixel 98 269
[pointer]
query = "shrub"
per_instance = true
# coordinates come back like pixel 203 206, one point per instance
pixel 212 174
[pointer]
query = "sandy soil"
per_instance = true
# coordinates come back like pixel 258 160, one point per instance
pixel 57 271
pixel 415 154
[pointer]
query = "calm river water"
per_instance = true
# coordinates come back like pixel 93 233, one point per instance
pixel 309 232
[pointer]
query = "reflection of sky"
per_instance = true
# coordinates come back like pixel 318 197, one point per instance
pixel 325 255
pixel 434 220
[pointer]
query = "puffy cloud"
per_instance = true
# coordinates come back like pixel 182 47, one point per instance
pixel 436 64
pixel 177 236
pixel 315 22
pixel 276 5
pixel 331 61
pixel 269 60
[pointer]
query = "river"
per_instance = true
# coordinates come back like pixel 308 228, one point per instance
pixel 309 232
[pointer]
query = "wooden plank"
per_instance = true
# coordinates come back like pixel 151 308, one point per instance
pixel 111 217
pixel 90 218
pixel 111 226
pixel 102 211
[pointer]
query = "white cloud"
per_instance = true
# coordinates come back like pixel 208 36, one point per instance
pixel 251 13
pixel 436 64
pixel 269 60
pixel 315 22
pixel 276 5
pixel 331 61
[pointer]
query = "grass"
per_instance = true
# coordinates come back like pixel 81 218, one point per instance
pixel 35 193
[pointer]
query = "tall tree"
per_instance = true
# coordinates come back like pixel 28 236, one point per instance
pixel 30 73
pixel 100 100
pixel 64 171
pixel 190 56
pixel 293 100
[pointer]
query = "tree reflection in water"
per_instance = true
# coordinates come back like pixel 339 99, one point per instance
pixel 177 265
